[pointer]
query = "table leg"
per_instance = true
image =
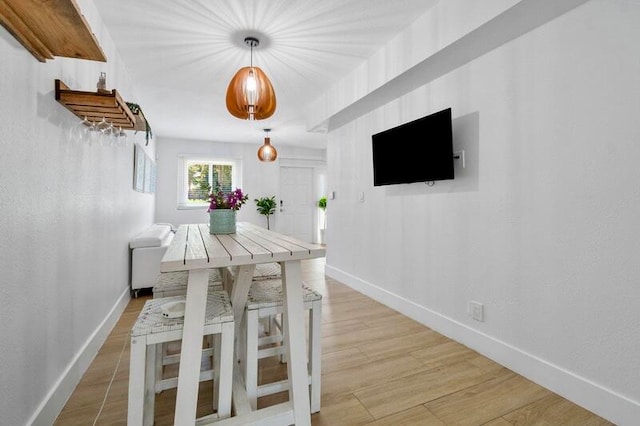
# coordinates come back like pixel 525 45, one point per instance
pixel 239 293
pixel 191 348
pixel 295 339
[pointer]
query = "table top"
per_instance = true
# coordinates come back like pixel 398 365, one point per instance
pixel 193 247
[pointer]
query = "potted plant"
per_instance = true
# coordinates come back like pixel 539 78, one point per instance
pixel 222 210
pixel 322 204
pixel 266 206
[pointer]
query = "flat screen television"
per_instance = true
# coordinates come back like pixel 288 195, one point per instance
pixel 418 151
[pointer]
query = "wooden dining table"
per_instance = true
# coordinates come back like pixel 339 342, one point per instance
pixel 195 250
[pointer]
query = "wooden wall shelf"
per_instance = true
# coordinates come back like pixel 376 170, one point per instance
pixel 96 105
pixel 50 28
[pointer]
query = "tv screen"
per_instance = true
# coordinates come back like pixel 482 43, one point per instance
pixel 417 151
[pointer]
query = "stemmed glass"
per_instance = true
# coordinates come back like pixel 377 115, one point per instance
pixel 103 127
pixel 94 132
pixel 121 136
pixel 80 131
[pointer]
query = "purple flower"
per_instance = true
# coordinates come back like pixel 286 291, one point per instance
pixel 227 200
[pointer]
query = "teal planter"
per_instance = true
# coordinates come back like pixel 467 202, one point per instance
pixel 222 221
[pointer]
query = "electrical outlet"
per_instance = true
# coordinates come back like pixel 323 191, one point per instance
pixel 459 156
pixel 476 311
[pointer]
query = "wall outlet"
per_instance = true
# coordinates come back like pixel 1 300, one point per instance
pixel 458 156
pixel 476 311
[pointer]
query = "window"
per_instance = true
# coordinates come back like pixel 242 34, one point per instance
pixel 200 176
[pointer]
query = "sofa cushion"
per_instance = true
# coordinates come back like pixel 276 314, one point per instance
pixel 155 236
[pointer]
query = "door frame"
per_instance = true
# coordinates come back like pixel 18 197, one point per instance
pixel 319 187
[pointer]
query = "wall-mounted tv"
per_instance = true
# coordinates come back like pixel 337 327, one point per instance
pixel 417 151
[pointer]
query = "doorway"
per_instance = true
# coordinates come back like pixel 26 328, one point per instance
pixel 296 206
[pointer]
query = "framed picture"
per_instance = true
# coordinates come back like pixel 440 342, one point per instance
pixel 152 178
pixel 147 173
pixel 138 168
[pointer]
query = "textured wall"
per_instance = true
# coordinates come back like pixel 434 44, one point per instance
pixel 541 226
pixel 67 212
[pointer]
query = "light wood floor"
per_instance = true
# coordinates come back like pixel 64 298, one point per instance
pixel 378 368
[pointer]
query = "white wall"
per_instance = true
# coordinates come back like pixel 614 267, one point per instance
pixel 542 226
pixel 67 213
pixel 258 179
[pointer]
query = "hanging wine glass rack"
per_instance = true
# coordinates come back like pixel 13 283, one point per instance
pixel 96 106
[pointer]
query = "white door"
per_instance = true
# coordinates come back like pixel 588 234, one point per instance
pixel 296 204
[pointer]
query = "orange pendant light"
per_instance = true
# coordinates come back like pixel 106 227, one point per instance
pixel 267 152
pixel 250 95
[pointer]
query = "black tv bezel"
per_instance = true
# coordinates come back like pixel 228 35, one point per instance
pixel 422 126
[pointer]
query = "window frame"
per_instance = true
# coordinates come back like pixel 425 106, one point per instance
pixel 183 177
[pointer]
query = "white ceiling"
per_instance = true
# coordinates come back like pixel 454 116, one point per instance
pixel 182 54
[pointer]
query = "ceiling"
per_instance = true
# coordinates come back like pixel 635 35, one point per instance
pixel 181 55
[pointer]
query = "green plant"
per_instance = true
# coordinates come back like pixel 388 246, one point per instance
pixel 266 206
pixel 199 187
pixel 135 108
pixel 322 203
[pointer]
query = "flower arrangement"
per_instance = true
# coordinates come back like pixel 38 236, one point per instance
pixel 227 200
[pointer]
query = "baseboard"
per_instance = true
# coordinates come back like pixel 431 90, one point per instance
pixel 595 398
pixel 57 397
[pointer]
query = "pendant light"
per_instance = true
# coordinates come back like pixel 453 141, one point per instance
pixel 267 152
pixel 250 95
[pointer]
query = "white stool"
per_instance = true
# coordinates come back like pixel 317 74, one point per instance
pixel 175 284
pixel 152 328
pixel 262 271
pixel 265 300
pixel 267 271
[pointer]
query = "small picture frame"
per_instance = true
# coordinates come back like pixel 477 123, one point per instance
pixel 147 173
pixel 138 168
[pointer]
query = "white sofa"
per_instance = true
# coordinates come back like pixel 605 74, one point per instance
pixel 147 249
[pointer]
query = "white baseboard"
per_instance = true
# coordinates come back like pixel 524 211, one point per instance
pixel 57 397
pixel 602 401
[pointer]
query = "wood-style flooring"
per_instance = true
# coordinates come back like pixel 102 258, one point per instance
pixel 378 368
